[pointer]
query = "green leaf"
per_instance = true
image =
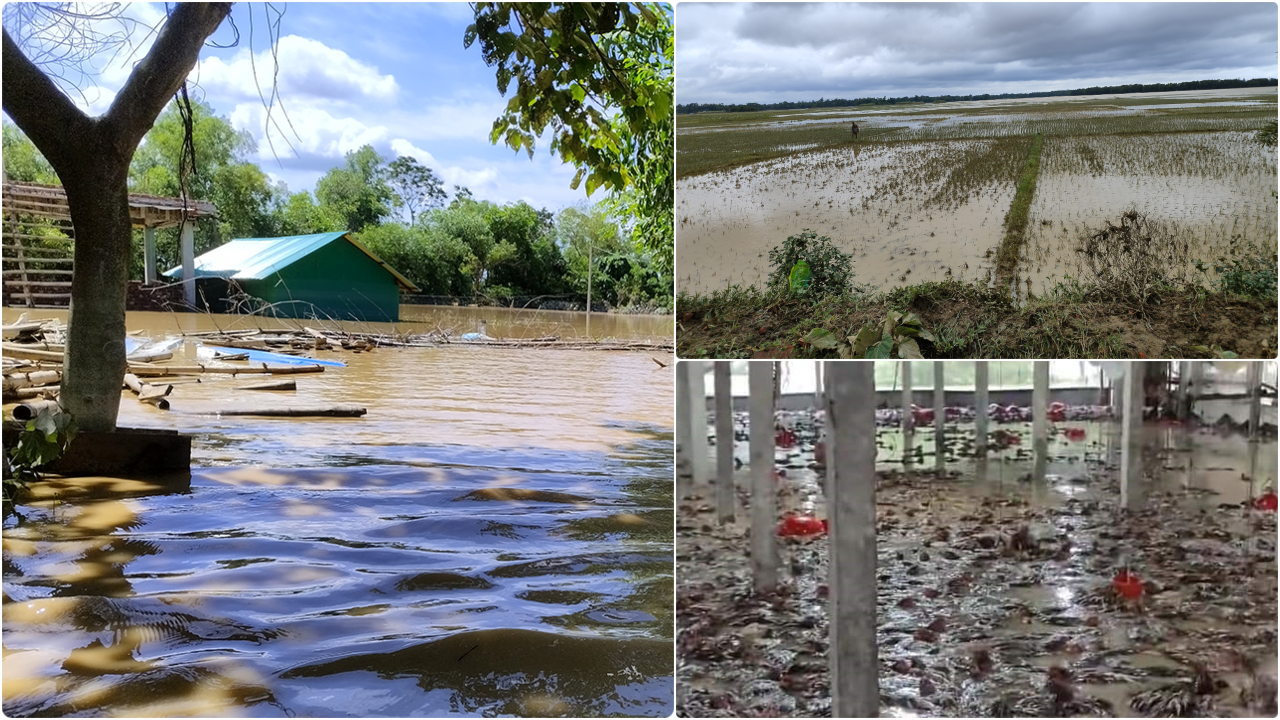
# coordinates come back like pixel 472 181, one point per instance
pixel 881 350
pixel 577 92
pixel 926 335
pixel 800 277
pixel 867 337
pixel 821 338
pixel 909 350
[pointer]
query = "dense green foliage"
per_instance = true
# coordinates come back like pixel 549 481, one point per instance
pixel 469 249
pixel 598 77
pixel 830 269
pixel 1127 89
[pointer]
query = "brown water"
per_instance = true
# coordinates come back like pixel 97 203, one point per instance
pixel 493 537
pixel 863 198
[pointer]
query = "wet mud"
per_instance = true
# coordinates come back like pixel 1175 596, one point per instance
pixel 995 581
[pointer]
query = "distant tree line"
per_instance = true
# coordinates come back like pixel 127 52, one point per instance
pixel 446 243
pixel 1095 90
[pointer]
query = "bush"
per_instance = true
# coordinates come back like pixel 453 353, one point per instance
pixel 830 269
pixel 1250 271
pixel 1135 258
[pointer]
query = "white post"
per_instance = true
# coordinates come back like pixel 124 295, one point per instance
pixel 980 403
pixel 1254 378
pixel 1039 417
pixel 764 498
pixel 939 415
pixel 590 248
pixel 854 662
pixel 684 429
pixel 908 422
pixel 1131 433
pixel 149 255
pixel 698 455
pixel 1184 387
pixel 189 262
pixel 724 442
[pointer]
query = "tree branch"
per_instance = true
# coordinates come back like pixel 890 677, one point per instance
pixel 54 124
pixel 154 81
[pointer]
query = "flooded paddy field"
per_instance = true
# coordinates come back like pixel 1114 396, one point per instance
pixel 989 575
pixel 492 538
pixel 940 178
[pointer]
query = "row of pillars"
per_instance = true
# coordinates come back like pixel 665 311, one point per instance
pixel 846 391
pixel 188 259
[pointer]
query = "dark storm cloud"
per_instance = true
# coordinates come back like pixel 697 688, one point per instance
pixel 767 52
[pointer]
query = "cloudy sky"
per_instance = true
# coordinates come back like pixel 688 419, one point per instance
pixel 770 52
pixel 393 75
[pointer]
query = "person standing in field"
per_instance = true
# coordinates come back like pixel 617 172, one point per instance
pixel 855 130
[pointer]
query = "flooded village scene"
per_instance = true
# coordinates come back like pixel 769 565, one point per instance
pixel 973 539
pixel 1073 184
pixel 349 395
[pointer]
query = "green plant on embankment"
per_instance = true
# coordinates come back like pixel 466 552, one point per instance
pixel 1015 221
pixel 41 441
pixel 830 270
pixel 1248 271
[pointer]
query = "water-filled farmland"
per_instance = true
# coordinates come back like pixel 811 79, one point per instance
pixel 922 193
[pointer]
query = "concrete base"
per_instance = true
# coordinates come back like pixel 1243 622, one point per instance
pixel 125 453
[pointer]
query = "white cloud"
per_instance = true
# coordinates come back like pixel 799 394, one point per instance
pixel 308 130
pixel 309 70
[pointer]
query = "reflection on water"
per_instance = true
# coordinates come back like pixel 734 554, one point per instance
pixel 494 537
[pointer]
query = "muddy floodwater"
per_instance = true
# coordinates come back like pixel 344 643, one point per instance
pixel 993 571
pixel 492 538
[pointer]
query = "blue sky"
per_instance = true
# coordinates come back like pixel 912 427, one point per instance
pixel 393 75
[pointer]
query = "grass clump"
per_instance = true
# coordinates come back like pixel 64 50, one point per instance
pixel 1135 258
pixel 830 269
pixel 1249 271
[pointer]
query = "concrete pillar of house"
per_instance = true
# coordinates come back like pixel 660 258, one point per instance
pixel 939 415
pixel 149 274
pixel 1254 379
pixel 700 460
pixel 1131 435
pixel 724 442
pixel 853 654
pixel 764 498
pixel 908 420
pixel 684 430
pixel 980 403
pixel 1040 408
pixel 189 262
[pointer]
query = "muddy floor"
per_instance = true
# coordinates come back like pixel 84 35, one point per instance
pixel 995 581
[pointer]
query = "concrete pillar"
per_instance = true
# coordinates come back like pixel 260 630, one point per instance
pixel 764 498
pixel 854 662
pixel 908 420
pixel 699 458
pixel 684 430
pixel 939 415
pixel 724 442
pixel 1131 435
pixel 1254 379
pixel 1040 407
pixel 819 401
pixel 980 402
pixel 149 255
pixel 1184 386
pixel 189 262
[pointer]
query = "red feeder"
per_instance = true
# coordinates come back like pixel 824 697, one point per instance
pixel 1128 585
pixel 785 439
pixel 921 416
pixel 1265 502
pixel 802 526
pixel 1074 433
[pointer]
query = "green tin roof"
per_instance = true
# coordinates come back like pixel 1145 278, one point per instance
pixel 260 258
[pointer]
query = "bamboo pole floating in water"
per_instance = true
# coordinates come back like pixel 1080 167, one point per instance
pixel 14 381
pixel 272 385
pixel 300 411
pixel 148 394
pixel 143 369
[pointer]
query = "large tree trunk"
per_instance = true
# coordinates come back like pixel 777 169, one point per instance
pixel 91 157
pixel 98 195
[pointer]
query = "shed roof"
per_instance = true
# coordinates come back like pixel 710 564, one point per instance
pixel 144 210
pixel 260 258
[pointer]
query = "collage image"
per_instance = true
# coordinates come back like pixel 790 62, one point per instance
pixel 639 360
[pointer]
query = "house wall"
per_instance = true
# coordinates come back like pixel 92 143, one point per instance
pixel 340 280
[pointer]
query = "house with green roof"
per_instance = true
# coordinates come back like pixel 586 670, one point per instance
pixel 327 275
